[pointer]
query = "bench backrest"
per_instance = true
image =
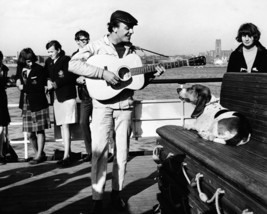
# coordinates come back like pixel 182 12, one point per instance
pixel 247 94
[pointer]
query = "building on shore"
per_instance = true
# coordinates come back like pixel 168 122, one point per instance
pixel 217 56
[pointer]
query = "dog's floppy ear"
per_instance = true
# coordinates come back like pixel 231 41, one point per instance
pixel 203 98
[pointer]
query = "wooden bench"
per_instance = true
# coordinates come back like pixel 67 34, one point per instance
pixel 234 178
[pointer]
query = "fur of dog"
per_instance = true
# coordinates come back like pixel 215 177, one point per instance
pixel 214 122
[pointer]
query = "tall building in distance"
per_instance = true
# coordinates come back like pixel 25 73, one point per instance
pixel 217 56
pixel 218 48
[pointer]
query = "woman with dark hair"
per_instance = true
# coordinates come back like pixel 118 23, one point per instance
pixel 31 81
pixel 61 84
pixel 250 56
pixel 4 114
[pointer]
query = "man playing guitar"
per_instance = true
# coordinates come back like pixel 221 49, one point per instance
pixel 111 114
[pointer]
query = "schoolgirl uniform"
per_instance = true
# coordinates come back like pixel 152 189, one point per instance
pixel 64 96
pixel 33 101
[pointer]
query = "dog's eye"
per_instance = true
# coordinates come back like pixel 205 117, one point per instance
pixel 181 98
pixel 185 99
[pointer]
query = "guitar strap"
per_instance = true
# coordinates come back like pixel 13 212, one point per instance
pixel 143 49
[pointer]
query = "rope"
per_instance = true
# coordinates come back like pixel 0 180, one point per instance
pixel 247 211
pixel 217 193
pixel 184 172
pixel 156 153
pixel 204 197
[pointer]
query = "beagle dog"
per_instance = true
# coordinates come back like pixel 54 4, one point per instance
pixel 214 122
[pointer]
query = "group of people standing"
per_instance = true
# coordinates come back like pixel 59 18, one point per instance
pixel 35 82
pixel 60 76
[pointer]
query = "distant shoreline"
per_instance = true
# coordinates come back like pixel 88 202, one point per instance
pixel 215 66
pixel 207 65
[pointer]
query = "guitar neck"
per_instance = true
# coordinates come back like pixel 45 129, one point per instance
pixel 152 68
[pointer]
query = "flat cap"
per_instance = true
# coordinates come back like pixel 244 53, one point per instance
pixel 124 17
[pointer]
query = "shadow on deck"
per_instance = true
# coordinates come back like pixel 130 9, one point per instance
pixel 45 188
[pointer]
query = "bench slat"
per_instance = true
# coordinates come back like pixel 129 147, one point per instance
pixel 247 93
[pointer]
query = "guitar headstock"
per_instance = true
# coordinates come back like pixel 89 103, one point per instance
pixel 197 61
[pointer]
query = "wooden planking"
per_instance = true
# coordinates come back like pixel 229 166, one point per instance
pixel 251 173
pixel 247 93
pixel 233 201
pixel 257 78
pixel 45 188
pixel 175 177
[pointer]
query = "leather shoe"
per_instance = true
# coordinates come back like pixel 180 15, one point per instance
pixel 65 162
pixel 117 201
pixel 87 158
pixel 97 207
pixel 38 160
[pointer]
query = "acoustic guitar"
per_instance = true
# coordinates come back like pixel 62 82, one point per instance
pixel 130 71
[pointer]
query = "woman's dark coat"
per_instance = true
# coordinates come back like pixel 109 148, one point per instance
pixel 237 61
pixel 65 80
pixel 34 87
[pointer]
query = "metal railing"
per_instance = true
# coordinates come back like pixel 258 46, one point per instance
pixel 183 81
pixel 25 140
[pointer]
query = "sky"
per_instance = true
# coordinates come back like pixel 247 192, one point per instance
pixel 169 27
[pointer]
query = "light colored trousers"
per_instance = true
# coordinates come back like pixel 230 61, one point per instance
pixel 105 119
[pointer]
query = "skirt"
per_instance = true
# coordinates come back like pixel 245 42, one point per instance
pixel 35 121
pixel 65 112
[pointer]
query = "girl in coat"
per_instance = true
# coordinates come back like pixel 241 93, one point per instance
pixel 61 84
pixel 250 56
pixel 31 81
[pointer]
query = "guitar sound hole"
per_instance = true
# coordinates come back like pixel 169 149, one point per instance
pixel 124 74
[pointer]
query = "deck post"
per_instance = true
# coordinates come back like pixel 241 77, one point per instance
pixel 25 145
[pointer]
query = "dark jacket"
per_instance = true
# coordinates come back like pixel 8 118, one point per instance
pixel 82 89
pixel 65 80
pixel 83 92
pixel 3 78
pixel 34 88
pixel 237 60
